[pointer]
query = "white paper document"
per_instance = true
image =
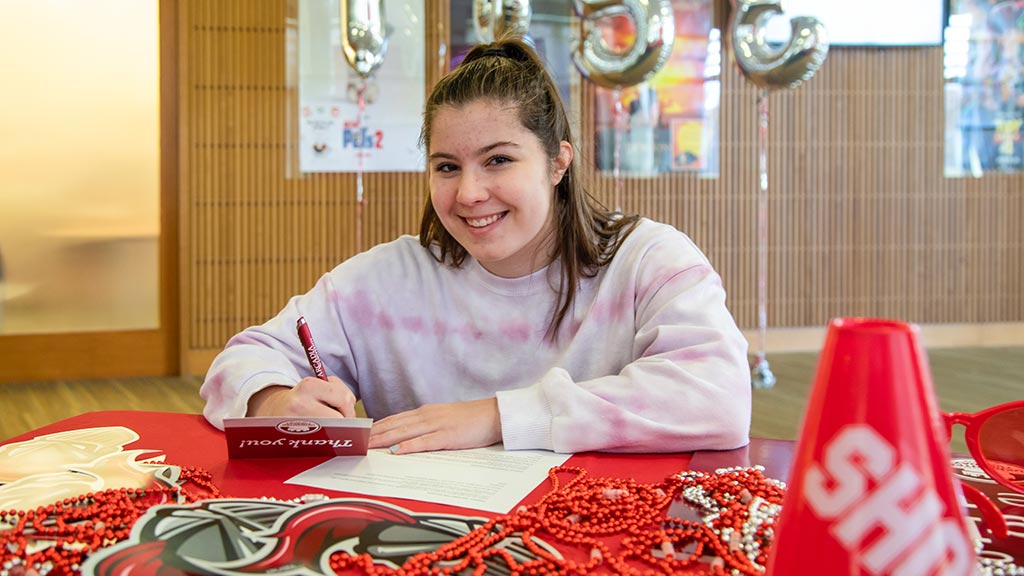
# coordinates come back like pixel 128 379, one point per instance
pixel 489 479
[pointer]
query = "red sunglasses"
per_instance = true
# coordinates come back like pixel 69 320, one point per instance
pixel 995 439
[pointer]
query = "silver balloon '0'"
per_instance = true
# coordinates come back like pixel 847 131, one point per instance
pixel 776 67
pixel 610 68
pixel 501 18
pixel 364 38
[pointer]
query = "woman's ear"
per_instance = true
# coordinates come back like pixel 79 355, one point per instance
pixel 562 161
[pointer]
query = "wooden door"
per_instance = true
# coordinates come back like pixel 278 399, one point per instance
pixel 96 293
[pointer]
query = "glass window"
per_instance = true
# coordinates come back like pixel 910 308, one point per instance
pixel 79 165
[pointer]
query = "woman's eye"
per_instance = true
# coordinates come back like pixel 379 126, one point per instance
pixel 445 168
pixel 500 160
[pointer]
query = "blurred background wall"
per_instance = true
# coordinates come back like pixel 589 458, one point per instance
pixel 862 220
pixel 106 183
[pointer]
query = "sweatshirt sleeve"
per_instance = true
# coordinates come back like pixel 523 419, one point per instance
pixel 271 354
pixel 687 387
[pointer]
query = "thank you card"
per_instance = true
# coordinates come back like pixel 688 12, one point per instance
pixel 296 437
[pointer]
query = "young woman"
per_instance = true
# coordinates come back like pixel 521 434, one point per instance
pixel 525 312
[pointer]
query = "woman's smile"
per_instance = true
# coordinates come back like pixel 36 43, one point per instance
pixel 484 222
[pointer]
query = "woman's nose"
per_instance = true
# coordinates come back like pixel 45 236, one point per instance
pixel 472 190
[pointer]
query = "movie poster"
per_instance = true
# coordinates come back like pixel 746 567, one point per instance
pixel 333 136
pixel 667 124
pixel 984 90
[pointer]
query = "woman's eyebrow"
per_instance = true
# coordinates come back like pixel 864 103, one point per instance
pixel 438 155
pixel 489 147
pixel 481 151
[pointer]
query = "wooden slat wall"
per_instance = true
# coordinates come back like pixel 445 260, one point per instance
pixel 862 221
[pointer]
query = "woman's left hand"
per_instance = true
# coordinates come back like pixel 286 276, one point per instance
pixel 439 427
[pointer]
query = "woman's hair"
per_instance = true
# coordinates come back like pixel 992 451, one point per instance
pixel 509 72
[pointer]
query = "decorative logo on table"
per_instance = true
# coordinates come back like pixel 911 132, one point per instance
pixel 968 469
pixel 298 427
pixel 66 464
pixel 255 536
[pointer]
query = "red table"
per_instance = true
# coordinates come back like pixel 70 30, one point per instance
pixel 188 440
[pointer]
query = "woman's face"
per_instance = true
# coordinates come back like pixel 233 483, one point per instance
pixel 492 186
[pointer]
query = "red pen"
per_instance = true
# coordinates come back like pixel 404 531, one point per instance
pixel 310 348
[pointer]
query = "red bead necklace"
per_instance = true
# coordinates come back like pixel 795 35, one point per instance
pixel 616 525
pixel 620 525
pixel 723 520
pixel 56 538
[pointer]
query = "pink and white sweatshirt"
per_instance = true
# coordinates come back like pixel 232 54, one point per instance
pixel 648 360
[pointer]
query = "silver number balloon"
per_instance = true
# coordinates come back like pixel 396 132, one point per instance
pixel 364 38
pixel 610 68
pixel 776 67
pixel 500 18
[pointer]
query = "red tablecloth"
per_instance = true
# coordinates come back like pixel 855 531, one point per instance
pixel 188 440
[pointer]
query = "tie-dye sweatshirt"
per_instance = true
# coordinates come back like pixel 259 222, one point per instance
pixel 648 360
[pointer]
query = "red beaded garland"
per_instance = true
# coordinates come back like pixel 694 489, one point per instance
pixel 587 513
pixel 56 538
pixel 619 525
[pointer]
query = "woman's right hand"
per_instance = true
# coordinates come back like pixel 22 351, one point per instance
pixel 312 397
